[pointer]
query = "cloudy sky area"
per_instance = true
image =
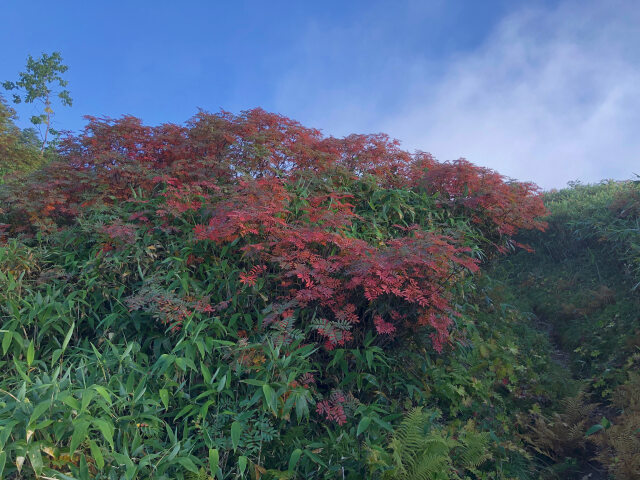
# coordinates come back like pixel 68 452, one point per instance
pixel 543 91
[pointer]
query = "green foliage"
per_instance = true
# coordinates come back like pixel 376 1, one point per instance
pixel 37 83
pixel 18 148
pixel 581 279
pixel 145 335
pixel 581 285
pixel 98 382
pixel 618 440
pixel 419 450
pixel 563 435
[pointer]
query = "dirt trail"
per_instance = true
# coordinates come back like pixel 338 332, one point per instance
pixel 589 469
pixel 558 355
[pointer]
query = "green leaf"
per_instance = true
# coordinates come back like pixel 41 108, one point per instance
pixel 35 457
pixel 269 396
pixel 31 353
pixel 214 460
pixel 293 459
pixel 128 463
pixel 83 473
pixel 87 396
pixel 6 342
pixel 314 458
pixel 187 463
pixel 221 383
pixel 242 464
pixel 206 374
pixel 57 353
pixel 5 432
pixel 253 381
pixel 104 393
pixel 164 396
pixel 363 425
pixel 302 407
pixel 596 428
pixel 80 428
pixel 3 460
pixel 186 409
pixel 106 428
pixel 67 338
pixel 20 371
pixel 96 453
pixel 72 402
pixel 383 424
pixel 236 431
pixel 38 411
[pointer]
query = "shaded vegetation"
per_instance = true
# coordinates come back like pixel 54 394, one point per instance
pixel 581 283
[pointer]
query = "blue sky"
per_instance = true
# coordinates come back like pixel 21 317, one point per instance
pixel 543 91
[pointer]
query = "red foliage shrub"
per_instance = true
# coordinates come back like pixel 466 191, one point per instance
pixel 502 207
pixel 236 178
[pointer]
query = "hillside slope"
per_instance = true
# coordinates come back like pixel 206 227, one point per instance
pixel 241 296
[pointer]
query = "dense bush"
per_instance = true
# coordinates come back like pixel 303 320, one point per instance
pixel 244 296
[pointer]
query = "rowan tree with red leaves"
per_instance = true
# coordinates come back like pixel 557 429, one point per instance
pixel 298 206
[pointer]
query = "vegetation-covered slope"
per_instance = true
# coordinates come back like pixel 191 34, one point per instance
pixel 581 284
pixel 241 296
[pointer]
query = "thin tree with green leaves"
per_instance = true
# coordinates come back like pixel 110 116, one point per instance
pixel 42 82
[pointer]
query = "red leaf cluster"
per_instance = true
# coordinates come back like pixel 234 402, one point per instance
pixel 237 178
pixel 332 409
pixel 504 207
pixel 320 266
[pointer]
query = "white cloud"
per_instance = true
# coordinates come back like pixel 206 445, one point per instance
pixel 551 95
